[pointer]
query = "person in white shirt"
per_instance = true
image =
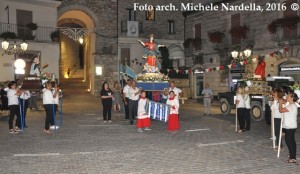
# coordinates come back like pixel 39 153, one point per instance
pixel 48 101
pixel 178 92
pixel 53 124
pixel 13 103
pixel 290 124
pixel 134 95
pixel 207 92
pixel 126 98
pixel 241 108
pixel 173 120
pixel 278 95
pixel 25 96
pixel 143 119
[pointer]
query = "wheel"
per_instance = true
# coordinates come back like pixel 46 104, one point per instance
pixel 257 113
pixel 225 107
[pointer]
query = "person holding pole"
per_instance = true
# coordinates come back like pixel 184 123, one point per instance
pixel 290 124
pixel 278 97
pixel 126 98
pixel 48 102
pixel 13 103
pixel 241 108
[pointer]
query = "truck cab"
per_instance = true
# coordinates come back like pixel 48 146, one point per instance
pixel 257 100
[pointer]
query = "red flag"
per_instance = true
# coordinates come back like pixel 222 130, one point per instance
pixel 286 49
pixel 221 67
pixel 271 54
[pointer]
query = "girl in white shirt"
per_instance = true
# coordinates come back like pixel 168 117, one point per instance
pixel 290 124
pixel 278 95
pixel 13 103
pixel 241 108
pixel 49 101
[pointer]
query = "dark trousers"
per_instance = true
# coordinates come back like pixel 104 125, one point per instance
pixel 126 108
pixel 133 106
pixel 247 118
pixel 268 114
pixel 106 110
pixel 32 102
pixel 54 114
pixel 49 114
pixel 24 106
pixel 14 110
pixel 277 122
pixel 241 114
pixel 291 142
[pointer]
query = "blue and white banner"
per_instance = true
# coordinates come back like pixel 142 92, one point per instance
pixel 158 111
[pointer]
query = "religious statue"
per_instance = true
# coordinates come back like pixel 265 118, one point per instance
pixel 260 68
pixel 35 66
pixel 151 55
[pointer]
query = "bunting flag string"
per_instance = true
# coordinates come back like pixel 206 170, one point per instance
pixel 235 64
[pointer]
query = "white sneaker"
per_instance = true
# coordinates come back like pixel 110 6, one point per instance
pixel 54 127
pixel 147 129
pixel 109 121
pixel 104 121
pixel 140 130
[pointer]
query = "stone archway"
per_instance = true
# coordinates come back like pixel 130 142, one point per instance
pixel 71 51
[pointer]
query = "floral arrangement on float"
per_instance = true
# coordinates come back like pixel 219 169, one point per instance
pixel 152 77
pixel 215 37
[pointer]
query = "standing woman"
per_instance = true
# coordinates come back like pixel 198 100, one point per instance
pixel 13 103
pixel 278 96
pixel 290 124
pixel 107 97
pixel 241 108
pixel 48 101
pixel 117 96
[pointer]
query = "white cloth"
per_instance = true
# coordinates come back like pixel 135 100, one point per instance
pixel 275 107
pixel 132 92
pixel 12 97
pixel 241 100
pixel 177 91
pixel 47 97
pixel 247 101
pixel 25 95
pixel 35 71
pixel 56 99
pixel 175 103
pixel 141 109
pixel 126 91
pixel 290 118
pixel 207 92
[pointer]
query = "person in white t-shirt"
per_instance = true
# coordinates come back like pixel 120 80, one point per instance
pixel 178 92
pixel 290 124
pixel 248 110
pixel 207 95
pixel 241 108
pixel 126 98
pixel 13 103
pixel 134 95
pixel 278 95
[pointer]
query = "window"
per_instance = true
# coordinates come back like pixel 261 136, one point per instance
pixel 235 22
pixel 289 33
pixel 131 14
pixel 198 59
pixel 198 40
pixel 171 29
pixel 24 17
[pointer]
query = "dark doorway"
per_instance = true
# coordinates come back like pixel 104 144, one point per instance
pixel 81 56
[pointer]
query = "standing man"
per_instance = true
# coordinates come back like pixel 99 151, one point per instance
pixel 134 95
pixel 207 92
pixel 178 92
pixel 24 97
pixel 126 97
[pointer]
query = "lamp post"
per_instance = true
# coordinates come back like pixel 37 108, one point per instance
pixel 240 57
pixel 14 48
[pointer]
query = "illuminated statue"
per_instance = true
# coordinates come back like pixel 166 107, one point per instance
pixel 261 66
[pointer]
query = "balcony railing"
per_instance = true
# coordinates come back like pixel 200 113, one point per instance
pixel 41 34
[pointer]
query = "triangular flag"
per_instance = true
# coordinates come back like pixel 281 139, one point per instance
pixel 229 66
pixel 217 68
pixel 271 54
pixel 286 49
pixel 267 56
pixel 186 71
pixel 242 63
pixel 281 51
pixel 177 71
pixel 206 69
pixel 168 70
pixel 254 60
pixel 221 67
pixel 210 69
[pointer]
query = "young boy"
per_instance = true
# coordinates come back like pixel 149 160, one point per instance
pixel 143 120
pixel 173 121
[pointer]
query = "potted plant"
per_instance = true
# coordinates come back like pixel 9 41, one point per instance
pixel 8 35
pixel 54 36
pixel 215 37
pixel 187 43
pixel 32 26
pixel 239 32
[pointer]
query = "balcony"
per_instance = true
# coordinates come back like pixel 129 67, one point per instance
pixel 42 34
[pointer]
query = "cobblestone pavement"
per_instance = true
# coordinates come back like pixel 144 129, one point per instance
pixel 84 144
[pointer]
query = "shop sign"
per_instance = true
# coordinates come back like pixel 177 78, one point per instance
pixel 290 68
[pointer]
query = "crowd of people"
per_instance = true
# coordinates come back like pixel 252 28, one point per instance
pixel 134 100
pixel 282 104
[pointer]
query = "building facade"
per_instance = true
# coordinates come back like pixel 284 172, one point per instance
pixel 280 48
pixel 14 16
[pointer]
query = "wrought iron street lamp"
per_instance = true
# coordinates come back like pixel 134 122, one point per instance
pixel 240 57
pixel 10 48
